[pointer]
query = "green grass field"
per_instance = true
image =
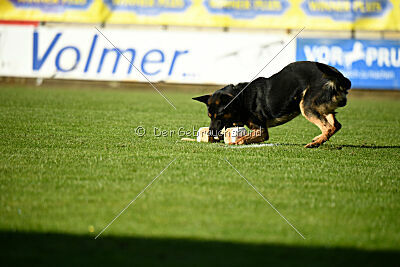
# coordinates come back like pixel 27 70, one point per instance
pixel 70 161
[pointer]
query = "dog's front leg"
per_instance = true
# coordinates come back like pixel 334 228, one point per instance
pixel 256 136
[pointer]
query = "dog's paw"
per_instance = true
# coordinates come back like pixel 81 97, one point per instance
pixel 240 141
pixel 236 143
pixel 316 138
pixel 313 145
pixel 316 143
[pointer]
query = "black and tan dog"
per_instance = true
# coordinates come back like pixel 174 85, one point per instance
pixel 313 89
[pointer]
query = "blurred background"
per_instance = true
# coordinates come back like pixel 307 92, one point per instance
pixel 197 41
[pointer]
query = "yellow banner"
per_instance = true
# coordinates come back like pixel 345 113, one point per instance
pixel 53 10
pixel 312 14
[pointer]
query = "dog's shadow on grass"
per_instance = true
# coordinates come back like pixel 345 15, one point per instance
pixel 367 146
pixel 73 250
pixel 340 146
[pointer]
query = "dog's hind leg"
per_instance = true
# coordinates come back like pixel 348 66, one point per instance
pixel 332 121
pixel 316 138
pixel 317 107
pixel 323 125
pixel 326 123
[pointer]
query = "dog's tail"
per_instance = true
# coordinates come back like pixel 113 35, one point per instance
pixel 335 75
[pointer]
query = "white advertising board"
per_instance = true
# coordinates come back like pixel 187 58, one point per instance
pixel 169 56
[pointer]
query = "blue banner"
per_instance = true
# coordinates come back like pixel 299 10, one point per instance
pixel 372 64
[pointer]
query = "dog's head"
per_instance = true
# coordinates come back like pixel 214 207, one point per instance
pixel 222 110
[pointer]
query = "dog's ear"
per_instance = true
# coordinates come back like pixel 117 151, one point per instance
pixel 203 99
pixel 227 96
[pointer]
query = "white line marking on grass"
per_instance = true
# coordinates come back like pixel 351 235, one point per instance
pixel 266 200
pixel 155 88
pixel 264 67
pixel 133 200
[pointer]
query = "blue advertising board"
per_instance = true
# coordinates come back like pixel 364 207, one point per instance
pixel 370 64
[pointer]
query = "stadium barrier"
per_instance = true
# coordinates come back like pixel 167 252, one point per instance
pixel 376 15
pixel 186 57
pixel 179 57
pixel 373 64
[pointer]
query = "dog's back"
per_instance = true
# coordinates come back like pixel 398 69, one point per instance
pixel 279 96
